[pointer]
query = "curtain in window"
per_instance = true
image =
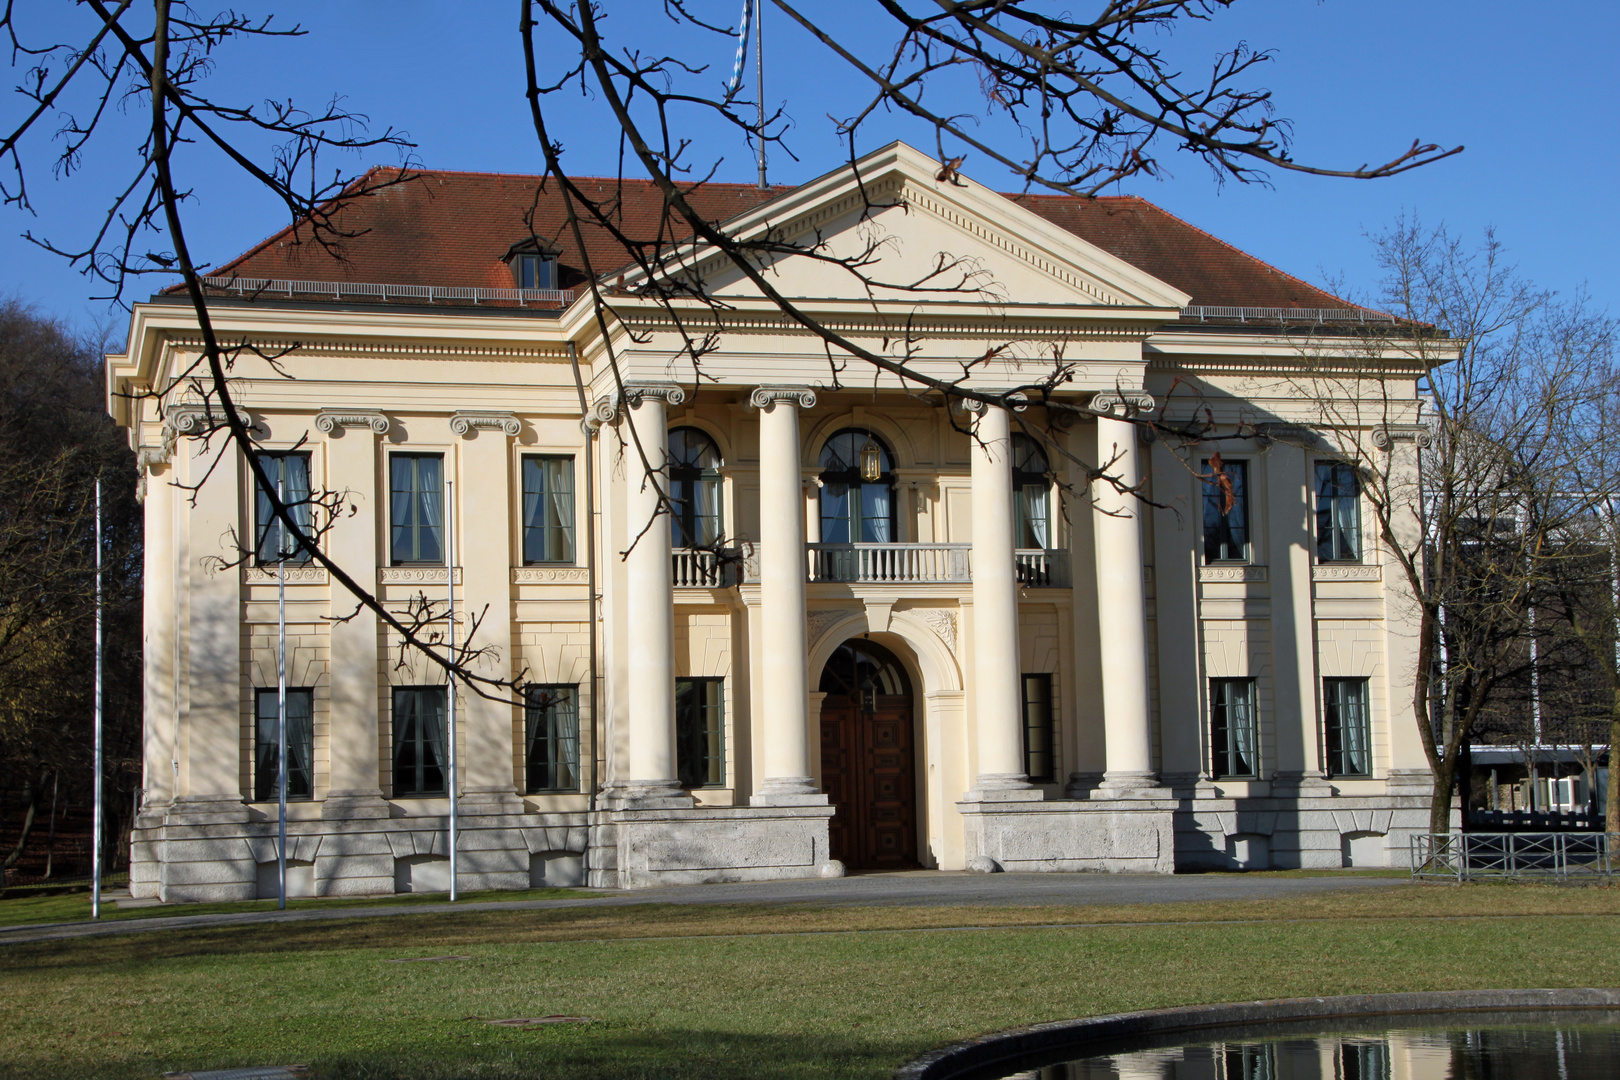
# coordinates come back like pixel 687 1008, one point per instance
pixel 552 752
pixel 1241 728
pixel 560 483
pixel 419 749
pixel 1033 529
pixel 417 508
pixel 429 500
pixel 875 514
pixel 300 745
pixel 1338 512
pixel 292 472
pixel 835 514
pixel 1350 727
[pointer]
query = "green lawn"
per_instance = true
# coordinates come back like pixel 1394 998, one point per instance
pixel 744 991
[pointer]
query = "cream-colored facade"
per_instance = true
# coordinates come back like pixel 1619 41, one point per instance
pixel 1127 626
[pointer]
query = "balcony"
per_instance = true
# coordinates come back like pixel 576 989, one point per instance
pixel 867 564
pixel 700 568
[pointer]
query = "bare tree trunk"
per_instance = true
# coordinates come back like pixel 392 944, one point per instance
pixel 1445 779
pixel 50 841
pixel 31 792
pixel 1611 808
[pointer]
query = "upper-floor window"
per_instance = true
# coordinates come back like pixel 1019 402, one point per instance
pixel 289 474
pixel 857 489
pixel 1338 512
pixel 694 489
pixel 417 508
pixel 533 270
pixel 548 509
pixel 1031 490
pixel 1226 511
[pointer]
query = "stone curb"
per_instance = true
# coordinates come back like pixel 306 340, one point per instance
pixel 972 1056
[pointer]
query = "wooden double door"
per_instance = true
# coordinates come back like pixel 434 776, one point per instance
pixel 867 761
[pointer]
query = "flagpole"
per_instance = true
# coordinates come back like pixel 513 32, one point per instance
pixel 95 839
pixel 281 699
pixel 759 81
pixel 450 567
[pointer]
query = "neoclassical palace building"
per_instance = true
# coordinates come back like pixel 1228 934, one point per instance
pixel 860 638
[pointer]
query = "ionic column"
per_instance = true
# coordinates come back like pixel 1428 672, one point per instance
pixel 354 786
pixel 786 722
pixel 651 600
pixel 997 694
pixel 1122 603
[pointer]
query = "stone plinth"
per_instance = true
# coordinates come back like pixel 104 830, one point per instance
pixel 702 845
pixel 1137 836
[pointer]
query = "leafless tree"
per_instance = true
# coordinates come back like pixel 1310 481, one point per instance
pixel 1084 102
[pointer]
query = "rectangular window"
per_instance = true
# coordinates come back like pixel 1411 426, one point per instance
pixel 551 738
pixel 1338 512
pixel 419 741
pixel 1234 732
pixel 1226 512
pixel 272 541
pixel 1038 763
pixel 300 744
pixel 1348 724
pixel 700 727
pixel 548 509
pixel 417 483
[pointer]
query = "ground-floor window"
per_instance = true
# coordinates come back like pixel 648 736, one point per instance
pixel 700 726
pixel 551 738
pixel 1234 732
pixel 300 744
pixel 1038 763
pixel 419 741
pixel 1348 727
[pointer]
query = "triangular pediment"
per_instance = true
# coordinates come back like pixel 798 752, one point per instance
pixel 926 240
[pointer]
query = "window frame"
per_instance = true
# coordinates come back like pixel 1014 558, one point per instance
pixel 442 747
pixel 393 493
pixel 301 509
pixel 1046 727
pixel 1242 504
pixel 1334 727
pixel 684 519
pixel 1329 529
pixel 1224 750
pixel 568 531
pixel 533 713
pixel 713 733
pixel 264 786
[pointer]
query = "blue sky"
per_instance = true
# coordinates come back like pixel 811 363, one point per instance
pixel 1529 93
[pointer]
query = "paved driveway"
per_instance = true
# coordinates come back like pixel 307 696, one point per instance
pixel 920 887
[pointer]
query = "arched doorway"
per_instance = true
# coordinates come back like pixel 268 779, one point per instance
pixel 867 759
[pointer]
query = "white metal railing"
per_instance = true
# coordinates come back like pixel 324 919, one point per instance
pixel 1042 568
pixel 900 563
pixel 703 569
pixel 338 290
pixel 1270 314
pixel 1563 856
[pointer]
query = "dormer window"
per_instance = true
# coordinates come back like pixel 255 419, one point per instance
pixel 532 266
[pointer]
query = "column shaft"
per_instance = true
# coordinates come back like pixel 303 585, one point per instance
pixel 159 749
pixel 1122 611
pixel 214 744
pixel 998 693
pixel 651 609
pixel 782 582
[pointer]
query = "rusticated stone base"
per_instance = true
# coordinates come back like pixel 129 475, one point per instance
pixel 1114 836
pixel 642 848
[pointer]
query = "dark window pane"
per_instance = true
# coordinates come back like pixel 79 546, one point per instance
pixel 1038 756
pixel 700 759
pixel 1338 512
pixel 1031 487
pixel 1226 513
pixel 1234 730
pixel 548 509
pixel 551 724
pixel 419 740
pixel 300 744
pixel 853 509
pixel 417 508
pixel 695 488
pixel 1347 722
pixel 272 542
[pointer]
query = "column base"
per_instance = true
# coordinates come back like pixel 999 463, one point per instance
pixel 1003 787
pixel 1082 784
pixel 210 809
pixel 652 795
pixel 788 791
pixel 354 805
pixel 1119 784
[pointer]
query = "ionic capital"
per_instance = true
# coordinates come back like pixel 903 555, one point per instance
pixel 765 397
pixel 1388 435
pixel 1016 400
pixel 465 421
pixel 609 405
pixel 1121 403
pixel 327 422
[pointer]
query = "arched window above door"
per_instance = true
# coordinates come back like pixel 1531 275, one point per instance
pixel 695 489
pixel 1032 487
pixel 857 489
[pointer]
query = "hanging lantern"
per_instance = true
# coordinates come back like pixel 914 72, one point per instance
pixel 871 461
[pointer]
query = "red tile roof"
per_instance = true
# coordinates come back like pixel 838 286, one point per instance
pixel 456 228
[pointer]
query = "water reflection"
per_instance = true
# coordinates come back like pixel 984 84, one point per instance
pixel 1484 1053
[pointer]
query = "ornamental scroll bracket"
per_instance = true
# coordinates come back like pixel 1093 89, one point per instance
pixel 357 418
pixel 765 398
pixel 465 421
pixel 1388 435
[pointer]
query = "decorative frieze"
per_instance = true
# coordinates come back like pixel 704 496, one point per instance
pixel 1250 573
pixel 355 418
pixel 1347 572
pixel 463 422
pixel 414 575
pixel 296 575
pixel 549 575
pixel 764 397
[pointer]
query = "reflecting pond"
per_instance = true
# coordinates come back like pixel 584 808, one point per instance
pixel 1583 1046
